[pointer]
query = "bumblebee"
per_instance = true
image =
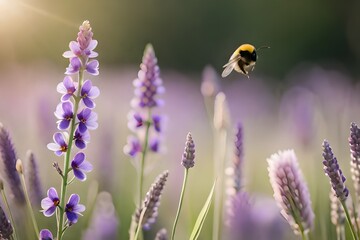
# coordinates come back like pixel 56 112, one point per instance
pixel 242 60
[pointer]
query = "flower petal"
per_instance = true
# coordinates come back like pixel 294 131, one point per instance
pixel 72 217
pixel 79 174
pixel 50 211
pixel 52 193
pixel 45 234
pixel 79 158
pixel 73 200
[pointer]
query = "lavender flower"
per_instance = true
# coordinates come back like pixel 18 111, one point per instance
pixel 189 153
pixel 50 203
pixel 88 93
pixel 60 143
pixel 8 166
pixel 45 234
pixel 104 222
pixel 33 180
pixel 81 139
pixel 6 229
pixel 161 234
pixel 151 202
pixel 333 171
pixel 73 209
pixel 290 191
pixel 79 166
pixel 148 86
pixel 67 88
pixel 354 142
pixel 238 158
pixel 87 120
pixel 64 112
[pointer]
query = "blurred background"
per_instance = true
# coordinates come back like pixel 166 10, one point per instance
pixel 304 90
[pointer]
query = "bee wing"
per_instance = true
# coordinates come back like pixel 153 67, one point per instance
pixel 230 66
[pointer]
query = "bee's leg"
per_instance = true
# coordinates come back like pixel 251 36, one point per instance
pixel 241 66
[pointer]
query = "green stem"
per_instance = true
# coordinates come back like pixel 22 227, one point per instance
pixel 31 212
pixel 143 155
pixel 343 203
pixel 180 203
pixel 10 214
pixel 67 159
pixel 218 204
pixel 303 236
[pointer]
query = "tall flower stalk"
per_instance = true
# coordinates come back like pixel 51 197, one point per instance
pixel 291 192
pixel 75 119
pixel 145 124
pixel 187 162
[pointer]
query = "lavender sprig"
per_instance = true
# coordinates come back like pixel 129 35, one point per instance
pixel 238 158
pixel 2 219
pixel 75 118
pixel 146 215
pixel 33 179
pixel 354 142
pixel 6 229
pixel 8 166
pixel 290 191
pixel 337 181
pixel 148 85
pixel 161 234
pixel 188 162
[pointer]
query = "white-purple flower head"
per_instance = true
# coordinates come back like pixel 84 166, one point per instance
pixel 50 203
pixel 87 120
pixel 45 234
pixel 64 112
pixel 290 190
pixel 88 93
pixel 67 88
pixel 73 209
pixel 80 166
pixel 59 146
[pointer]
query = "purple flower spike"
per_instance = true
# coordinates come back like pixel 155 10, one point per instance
pixel 81 139
pixel 64 112
pixel 133 146
pixel 73 208
pixel 45 234
pixel 157 122
pixel 93 67
pixel 59 146
pixel 67 88
pixel 79 166
pixel 50 203
pixel 87 120
pixel 74 66
pixel 88 92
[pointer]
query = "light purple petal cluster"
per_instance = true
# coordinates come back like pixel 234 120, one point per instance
pixel 189 153
pixel 290 190
pixel 148 86
pixel 333 171
pixel 73 209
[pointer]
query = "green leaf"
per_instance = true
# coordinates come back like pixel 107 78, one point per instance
pixel 202 215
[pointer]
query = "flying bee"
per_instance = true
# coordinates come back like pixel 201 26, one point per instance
pixel 242 60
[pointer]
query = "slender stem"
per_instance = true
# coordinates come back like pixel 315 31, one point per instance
pixel 139 225
pixel 218 205
pixel 143 155
pixel 9 211
pixel 67 158
pixel 180 203
pixel 343 203
pixel 303 235
pixel 31 212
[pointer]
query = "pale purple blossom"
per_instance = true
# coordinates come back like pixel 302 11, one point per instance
pixel 81 139
pixel 59 146
pixel 45 234
pixel 92 67
pixel 73 209
pixel 74 66
pixel 88 93
pixel 80 166
pixel 87 120
pixel 50 203
pixel 133 146
pixel 64 112
pixel 67 88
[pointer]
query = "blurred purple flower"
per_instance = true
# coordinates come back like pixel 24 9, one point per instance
pixel 189 153
pixel 81 139
pixel 45 234
pixel 354 142
pixel 50 203
pixel 151 202
pixel 67 88
pixel 133 146
pixel 157 122
pixel 79 166
pixel 92 67
pixel 89 92
pixel 59 146
pixel 33 179
pixel 8 166
pixel 74 66
pixel 104 222
pixel 238 158
pixel 154 144
pixel 6 229
pixel 333 171
pixel 64 112
pixel 290 191
pixel 161 234
pixel 73 209
pixel 87 120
